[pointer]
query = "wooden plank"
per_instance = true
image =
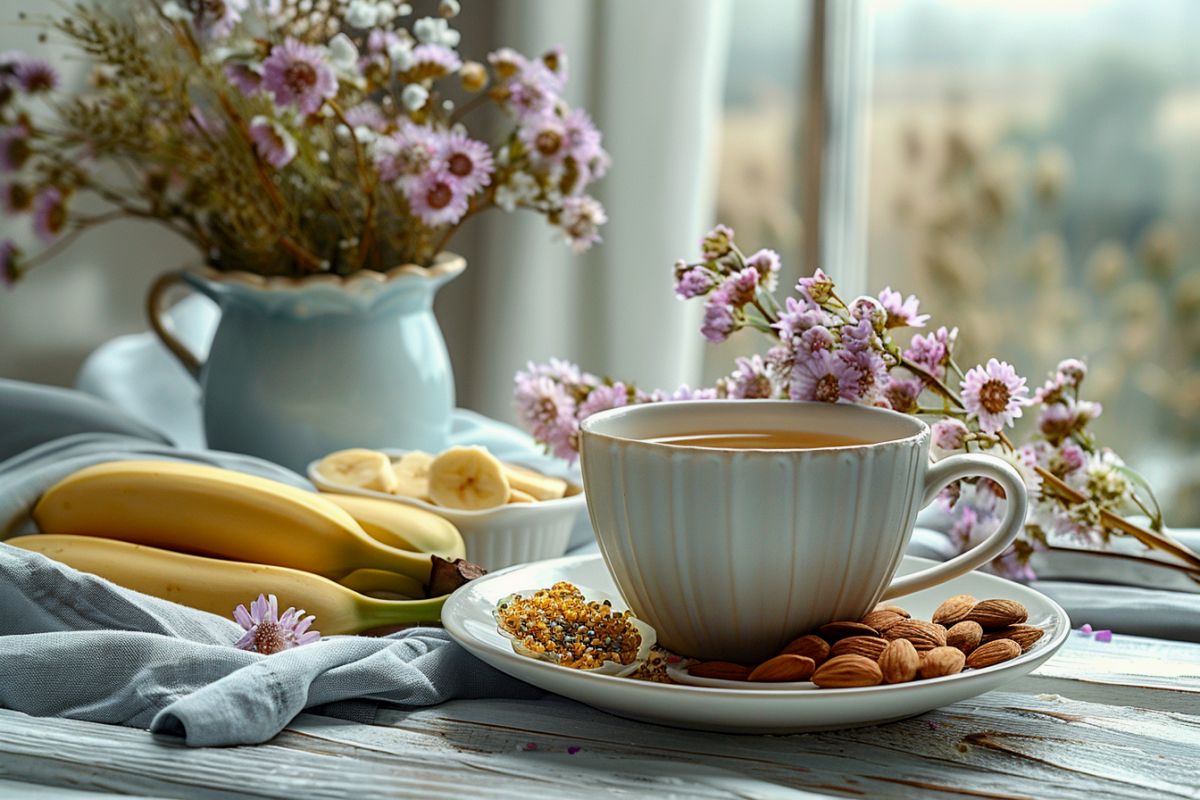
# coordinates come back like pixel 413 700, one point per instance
pixel 30 791
pixel 1022 743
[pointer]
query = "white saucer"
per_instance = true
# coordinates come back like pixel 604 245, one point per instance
pixel 467 616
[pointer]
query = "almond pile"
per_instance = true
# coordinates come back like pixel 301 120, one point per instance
pixel 889 646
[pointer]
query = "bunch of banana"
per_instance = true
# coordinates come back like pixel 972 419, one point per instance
pixel 217 586
pixel 268 526
pixel 462 478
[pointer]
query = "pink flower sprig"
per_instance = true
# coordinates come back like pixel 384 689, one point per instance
pixel 1103 635
pixel 267 632
pixel 828 349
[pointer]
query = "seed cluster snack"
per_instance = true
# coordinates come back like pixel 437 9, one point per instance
pixel 889 646
pixel 464 478
pixel 560 624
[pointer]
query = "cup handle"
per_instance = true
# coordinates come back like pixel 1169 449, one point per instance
pixel 938 476
pixel 158 323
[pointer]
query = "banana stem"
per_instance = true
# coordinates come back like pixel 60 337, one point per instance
pixel 375 613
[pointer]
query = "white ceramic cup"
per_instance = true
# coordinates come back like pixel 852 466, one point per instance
pixel 731 553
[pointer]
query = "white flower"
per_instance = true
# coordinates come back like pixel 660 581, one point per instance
pixel 520 188
pixel 362 14
pixel 342 52
pixel 176 11
pixel 385 12
pixel 449 8
pixel 414 96
pixel 403 10
pixel 432 30
pixel 401 55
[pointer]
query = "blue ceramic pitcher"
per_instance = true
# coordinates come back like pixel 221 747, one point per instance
pixel 300 367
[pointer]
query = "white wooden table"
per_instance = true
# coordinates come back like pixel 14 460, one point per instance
pixel 1099 721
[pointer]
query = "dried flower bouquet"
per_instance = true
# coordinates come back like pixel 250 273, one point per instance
pixel 828 349
pixel 288 137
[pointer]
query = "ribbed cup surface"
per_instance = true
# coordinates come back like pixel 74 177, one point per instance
pixel 730 554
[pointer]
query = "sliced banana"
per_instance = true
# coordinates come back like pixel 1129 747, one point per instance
pixel 517 496
pixel 412 474
pixel 539 486
pixel 366 469
pixel 468 478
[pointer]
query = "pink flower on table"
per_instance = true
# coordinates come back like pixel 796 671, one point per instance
pixel 767 264
pixel 14 147
pixel 547 411
pixel 468 160
pixel 296 74
pixel 719 319
pixel 950 434
pixel 751 381
pixel 824 377
pixel 994 394
pixel 49 214
pixel 267 632
pixel 580 220
pixel 603 398
pixel 818 287
pixel 10 256
pixel 437 198
pixel 34 75
pixel 272 142
pixel 902 312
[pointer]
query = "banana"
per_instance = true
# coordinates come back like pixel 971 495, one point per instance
pixel 218 586
pixel 381 583
pixel 517 496
pixel 365 469
pixel 402 526
pixel 412 475
pixel 209 511
pixel 541 487
pixel 468 478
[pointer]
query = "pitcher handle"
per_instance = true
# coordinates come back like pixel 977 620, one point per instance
pixel 951 469
pixel 162 328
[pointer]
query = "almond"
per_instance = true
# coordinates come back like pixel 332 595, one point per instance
pixel 781 669
pixel 846 671
pixel 923 635
pixel 893 609
pixel 954 609
pixel 899 661
pixel 721 670
pixel 881 620
pixel 811 645
pixel 840 629
pixel 1024 635
pixel 993 653
pixel 869 646
pixel 942 661
pixel 965 635
pixel 998 613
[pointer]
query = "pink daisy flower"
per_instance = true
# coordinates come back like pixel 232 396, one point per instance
pixel 751 381
pixel 272 142
pixel 824 377
pixel 367 115
pixel 406 154
pixel 246 78
pixel 468 160
pixel 994 395
pixel 580 219
pixel 296 74
pixel 34 75
pixel 14 147
pixel 902 395
pixel 950 434
pixel 1071 371
pixel 818 337
pixel 719 320
pixel 10 256
pixel 603 398
pixel 693 282
pixel 437 198
pixel 767 264
pixel 545 137
pixel 533 91
pixel 902 312
pixel 49 214
pixel 931 351
pixel 798 316
pixel 547 412
pixel 431 61
pixel 267 632
pixel 872 371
